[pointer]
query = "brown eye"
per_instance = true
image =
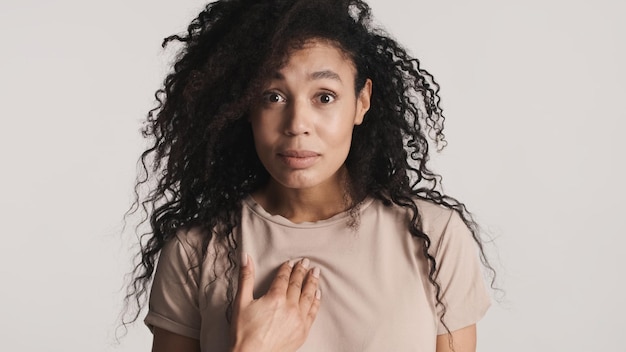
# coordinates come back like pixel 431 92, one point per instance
pixel 326 98
pixel 273 97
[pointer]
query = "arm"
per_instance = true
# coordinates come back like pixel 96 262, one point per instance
pixel 462 287
pixel 165 341
pixel 278 321
pixel 463 340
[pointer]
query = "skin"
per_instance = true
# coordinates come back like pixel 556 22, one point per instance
pixel 281 319
pixel 464 340
pixel 166 341
pixel 302 129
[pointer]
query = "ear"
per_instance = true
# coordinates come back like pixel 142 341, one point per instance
pixel 363 102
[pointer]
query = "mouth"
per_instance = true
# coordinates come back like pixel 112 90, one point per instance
pixel 298 154
pixel 298 159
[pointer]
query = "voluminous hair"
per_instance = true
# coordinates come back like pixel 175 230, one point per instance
pixel 202 161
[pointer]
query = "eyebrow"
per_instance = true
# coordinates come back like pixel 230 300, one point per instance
pixel 325 74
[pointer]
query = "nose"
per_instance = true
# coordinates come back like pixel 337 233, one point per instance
pixel 299 119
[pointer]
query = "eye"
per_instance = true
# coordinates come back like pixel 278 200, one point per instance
pixel 326 98
pixel 273 97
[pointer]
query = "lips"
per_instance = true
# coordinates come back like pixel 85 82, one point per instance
pixel 299 159
pixel 298 154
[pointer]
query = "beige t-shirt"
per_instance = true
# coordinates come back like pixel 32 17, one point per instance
pixel 374 280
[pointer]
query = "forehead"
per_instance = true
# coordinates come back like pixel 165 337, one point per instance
pixel 320 59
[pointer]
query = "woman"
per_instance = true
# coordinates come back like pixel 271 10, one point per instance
pixel 293 207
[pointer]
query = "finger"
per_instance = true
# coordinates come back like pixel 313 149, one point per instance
pixel 311 283
pixel 315 307
pixel 246 281
pixel 294 290
pixel 281 280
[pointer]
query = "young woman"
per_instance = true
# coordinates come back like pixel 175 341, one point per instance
pixel 292 207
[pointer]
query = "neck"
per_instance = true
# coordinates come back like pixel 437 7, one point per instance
pixel 304 205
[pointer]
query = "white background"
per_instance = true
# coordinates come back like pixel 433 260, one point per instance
pixel 533 91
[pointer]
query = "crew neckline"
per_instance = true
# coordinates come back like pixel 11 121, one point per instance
pixel 257 209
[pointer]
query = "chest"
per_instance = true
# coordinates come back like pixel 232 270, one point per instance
pixel 375 291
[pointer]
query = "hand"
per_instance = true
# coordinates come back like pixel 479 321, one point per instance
pixel 281 319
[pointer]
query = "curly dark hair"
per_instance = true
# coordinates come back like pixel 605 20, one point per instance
pixel 203 162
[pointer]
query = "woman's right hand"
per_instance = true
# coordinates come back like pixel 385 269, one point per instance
pixel 281 319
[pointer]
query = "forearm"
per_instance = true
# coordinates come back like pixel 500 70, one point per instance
pixel 463 340
pixel 166 341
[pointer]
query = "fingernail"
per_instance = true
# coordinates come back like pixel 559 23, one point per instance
pixel 316 272
pixel 305 263
pixel 318 294
pixel 244 259
pixel 291 263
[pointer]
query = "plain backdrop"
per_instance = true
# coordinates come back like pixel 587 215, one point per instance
pixel 533 92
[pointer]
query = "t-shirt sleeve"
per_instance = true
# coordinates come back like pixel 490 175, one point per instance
pixel 459 273
pixel 173 304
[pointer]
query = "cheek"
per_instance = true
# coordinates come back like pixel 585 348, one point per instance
pixel 261 132
pixel 339 133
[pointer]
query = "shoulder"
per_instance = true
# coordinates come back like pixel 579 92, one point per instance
pixel 187 243
pixel 180 255
pixel 433 214
pixel 432 218
pixel 441 224
pixel 437 220
pixel 189 252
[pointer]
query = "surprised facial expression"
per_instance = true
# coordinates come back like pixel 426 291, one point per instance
pixel 303 122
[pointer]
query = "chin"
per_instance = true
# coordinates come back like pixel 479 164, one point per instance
pixel 297 179
pixel 297 182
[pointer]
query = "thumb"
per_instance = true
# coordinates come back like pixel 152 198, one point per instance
pixel 246 281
